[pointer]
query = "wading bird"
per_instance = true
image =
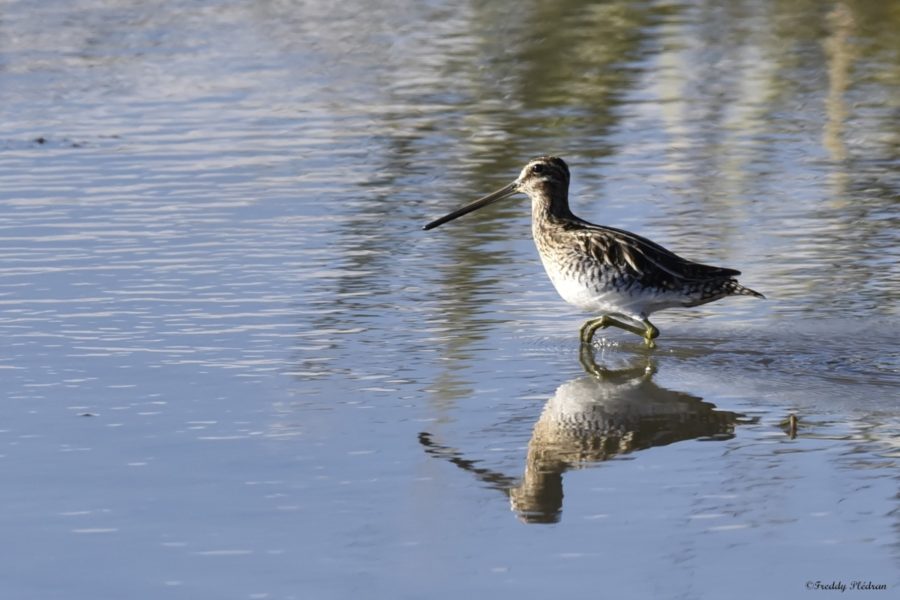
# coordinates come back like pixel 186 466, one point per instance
pixel 619 275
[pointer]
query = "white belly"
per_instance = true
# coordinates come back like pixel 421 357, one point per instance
pixel 592 296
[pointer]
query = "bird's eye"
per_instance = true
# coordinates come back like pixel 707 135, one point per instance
pixel 537 169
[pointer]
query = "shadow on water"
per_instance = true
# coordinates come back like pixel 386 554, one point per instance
pixel 591 419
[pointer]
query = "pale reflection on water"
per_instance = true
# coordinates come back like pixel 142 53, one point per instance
pixel 210 247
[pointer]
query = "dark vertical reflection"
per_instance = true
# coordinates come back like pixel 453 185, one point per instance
pixel 734 99
pixel 804 92
pixel 546 77
pixel 520 80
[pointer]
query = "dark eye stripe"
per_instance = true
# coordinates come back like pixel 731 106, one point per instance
pixel 550 166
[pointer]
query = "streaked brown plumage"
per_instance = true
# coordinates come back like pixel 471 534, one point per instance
pixel 621 275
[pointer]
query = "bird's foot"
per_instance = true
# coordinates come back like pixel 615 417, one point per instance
pixel 602 322
pixel 650 334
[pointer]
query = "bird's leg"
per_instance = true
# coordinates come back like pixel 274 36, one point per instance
pixel 590 327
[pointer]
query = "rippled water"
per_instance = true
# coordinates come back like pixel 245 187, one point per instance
pixel 234 367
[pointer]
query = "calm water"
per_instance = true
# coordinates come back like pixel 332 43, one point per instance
pixel 234 367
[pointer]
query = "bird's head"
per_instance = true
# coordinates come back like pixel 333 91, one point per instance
pixel 545 178
pixel 543 175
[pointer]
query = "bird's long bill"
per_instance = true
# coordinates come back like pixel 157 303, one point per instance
pixel 500 194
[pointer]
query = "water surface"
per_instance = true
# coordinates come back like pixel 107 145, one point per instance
pixel 234 367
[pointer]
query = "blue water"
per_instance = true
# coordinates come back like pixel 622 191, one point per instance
pixel 235 367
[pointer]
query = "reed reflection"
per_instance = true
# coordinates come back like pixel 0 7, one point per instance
pixel 590 419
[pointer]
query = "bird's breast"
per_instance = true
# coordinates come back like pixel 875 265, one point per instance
pixel 591 284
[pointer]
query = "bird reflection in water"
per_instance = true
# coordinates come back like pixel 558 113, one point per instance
pixel 592 419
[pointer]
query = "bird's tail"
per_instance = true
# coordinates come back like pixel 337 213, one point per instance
pixel 739 290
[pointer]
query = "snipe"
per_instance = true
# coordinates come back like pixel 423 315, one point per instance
pixel 619 275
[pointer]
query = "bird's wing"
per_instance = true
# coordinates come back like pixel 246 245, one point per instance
pixel 645 259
